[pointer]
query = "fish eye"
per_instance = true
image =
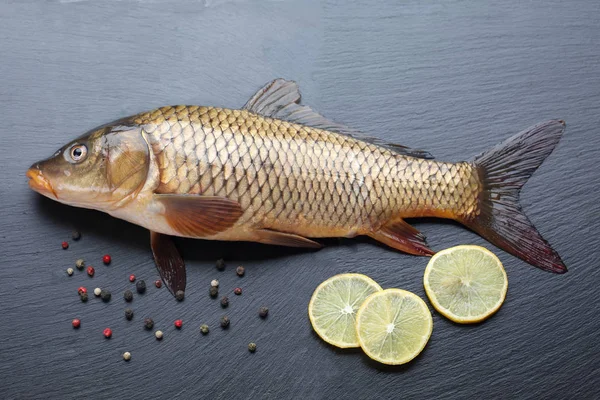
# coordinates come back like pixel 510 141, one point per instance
pixel 78 153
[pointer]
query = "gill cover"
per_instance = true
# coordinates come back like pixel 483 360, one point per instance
pixel 127 161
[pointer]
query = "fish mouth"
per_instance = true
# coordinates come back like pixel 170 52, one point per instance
pixel 39 183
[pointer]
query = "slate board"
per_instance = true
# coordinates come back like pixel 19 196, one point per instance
pixel 453 78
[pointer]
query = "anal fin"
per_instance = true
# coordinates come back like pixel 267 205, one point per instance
pixel 199 216
pixel 169 263
pixel 399 235
pixel 268 236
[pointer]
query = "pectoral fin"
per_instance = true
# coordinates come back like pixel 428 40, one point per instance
pixel 169 263
pixel 268 236
pixel 199 216
pixel 402 236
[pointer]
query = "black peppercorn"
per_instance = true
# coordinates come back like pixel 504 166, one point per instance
pixel 128 295
pixel 148 323
pixel 214 292
pixel 140 286
pixel 180 295
pixel 252 347
pixel 224 301
pixel 221 264
pixel 240 271
pixel 105 295
pixel 263 312
pixel 224 322
pixel 129 314
pixel 76 235
pixel 204 329
pixel 84 297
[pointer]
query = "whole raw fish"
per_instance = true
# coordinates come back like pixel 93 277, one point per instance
pixel 277 172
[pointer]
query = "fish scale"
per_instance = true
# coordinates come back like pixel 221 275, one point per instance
pixel 299 179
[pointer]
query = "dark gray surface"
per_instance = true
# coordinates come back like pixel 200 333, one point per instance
pixel 454 79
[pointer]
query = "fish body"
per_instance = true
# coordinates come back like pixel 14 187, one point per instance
pixel 277 172
pixel 293 178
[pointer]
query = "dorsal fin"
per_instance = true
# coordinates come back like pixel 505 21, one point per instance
pixel 281 99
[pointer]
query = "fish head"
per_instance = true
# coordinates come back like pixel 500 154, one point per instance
pixel 100 170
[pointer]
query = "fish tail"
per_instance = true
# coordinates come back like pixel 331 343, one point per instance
pixel 503 170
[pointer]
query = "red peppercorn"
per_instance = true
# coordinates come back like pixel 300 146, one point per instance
pixel 106 259
pixel 237 290
pixel 76 323
pixel 81 290
pixel 65 245
pixel 178 323
pixel 132 278
pixel 107 333
pixel 90 270
pixel 158 283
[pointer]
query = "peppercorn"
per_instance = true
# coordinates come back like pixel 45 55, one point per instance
pixel 140 286
pixel 76 323
pixel 240 271
pixel 76 235
pixel 237 291
pixel 214 283
pixel 224 322
pixel 221 264
pixel 148 323
pixel 214 292
pixel 80 264
pixel 180 295
pixel 178 323
pixel 81 290
pixel 106 259
pixel 128 295
pixel 204 329
pixel 158 283
pixel 84 297
pixel 105 295
pixel 263 312
pixel 90 271
pixel 127 356
pixel 69 271
pixel 159 335
pixel 107 333
pixel 224 301
pixel 252 347
pixel 128 314
pixel 97 292
pixel 65 245
pixel 131 278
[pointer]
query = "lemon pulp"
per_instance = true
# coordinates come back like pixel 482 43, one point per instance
pixel 393 326
pixel 332 308
pixel 466 284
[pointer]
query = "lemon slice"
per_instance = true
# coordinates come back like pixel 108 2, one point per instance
pixel 466 284
pixel 332 308
pixel 393 326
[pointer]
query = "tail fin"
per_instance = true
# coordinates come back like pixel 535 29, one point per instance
pixel 503 170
